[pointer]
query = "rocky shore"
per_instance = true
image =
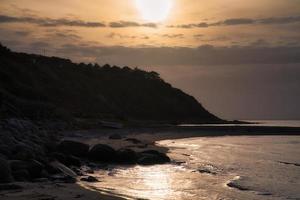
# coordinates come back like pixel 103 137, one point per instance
pixel 29 154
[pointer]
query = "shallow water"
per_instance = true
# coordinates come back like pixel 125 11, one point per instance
pixel 272 123
pixel 260 167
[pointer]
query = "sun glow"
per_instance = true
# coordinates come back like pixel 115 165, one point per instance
pixel 154 10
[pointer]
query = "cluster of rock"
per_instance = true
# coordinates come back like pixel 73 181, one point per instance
pixel 106 154
pixel 23 150
pixel 30 154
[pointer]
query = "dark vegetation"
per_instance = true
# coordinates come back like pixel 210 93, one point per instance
pixel 38 87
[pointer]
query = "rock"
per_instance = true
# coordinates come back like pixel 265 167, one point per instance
pixel 115 137
pixel 40 180
pixel 44 174
pixel 77 171
pixel 234 184
pixel 72 161
pixel 73 148
pixel 206 171
pixel 126 156
pixel 68 160
pixel 64 174
pixel 152 152
pixel 63 169
pixel 62 178
pixel 3 156
pixel 35 169
pixel 5 173
pixel 133 140
pixel 16 165
pixel 4 150
pixel 10 187
pixel 89 171
pixel 90 179
pixel 151 157
pixel 102 152
pixel 25 170
pixel 58 156
pixel 22 151
pixel 21 175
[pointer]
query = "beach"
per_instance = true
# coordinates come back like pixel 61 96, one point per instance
pixel 163 139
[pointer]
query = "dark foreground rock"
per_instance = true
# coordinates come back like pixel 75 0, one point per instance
pixel 115 137
pixel 5 172
pixel 133 140
pixel 152 157
pixel 68 160
pixel 10 187
pixel 21 175
pixel 126 156
pixel 73 148
pixel 102 152
pixel 26 170
pixel 90 179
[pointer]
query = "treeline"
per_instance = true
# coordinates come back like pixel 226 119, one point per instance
pixel 39 87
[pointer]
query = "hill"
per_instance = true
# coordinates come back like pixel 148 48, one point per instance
pixel 39 87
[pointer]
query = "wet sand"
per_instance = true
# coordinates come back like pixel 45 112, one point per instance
pixel 53 191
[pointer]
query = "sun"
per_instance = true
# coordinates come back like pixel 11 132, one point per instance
pixel 154 10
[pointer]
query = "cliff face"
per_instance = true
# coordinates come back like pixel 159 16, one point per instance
pixel 41 87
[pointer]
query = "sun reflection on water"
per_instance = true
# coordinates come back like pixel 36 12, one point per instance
pixel 156 182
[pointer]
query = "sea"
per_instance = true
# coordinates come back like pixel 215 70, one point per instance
pixel 213 168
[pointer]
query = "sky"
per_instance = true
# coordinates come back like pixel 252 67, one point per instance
pixel 240 59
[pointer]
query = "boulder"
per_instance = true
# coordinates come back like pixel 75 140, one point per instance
pixel 153 152
pixel 90 179
pixel 126 156
pixel 5 173
pixel 72 161
pixel 21 125
pixel 35 169
pixel 4 150
pixel 73 148
pixel 65 174
pixel 63 169
pixel 10 187
pixel 16 165
pixel 133 140
pixel 22 151
pixel 102 152
pixel 68 160
pixel 152 157
pixel 21 175
pixel 115 137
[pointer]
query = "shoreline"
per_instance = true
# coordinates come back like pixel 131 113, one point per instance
pixel 177 132
pixel 153 135
pixel 148 135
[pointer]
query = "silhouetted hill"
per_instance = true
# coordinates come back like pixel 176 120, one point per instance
pixel 40 87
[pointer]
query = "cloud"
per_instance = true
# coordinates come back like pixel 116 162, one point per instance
pixel 125 24
pixel 22 33
pixel 173 35
pixel 260 42
pixel 124 36
pixel 198 35
pixel 199 25
pixel 176 56
pixel 241 21
pixel 279 20
pixel 49 22
pixel 237 21
pixel 39 45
